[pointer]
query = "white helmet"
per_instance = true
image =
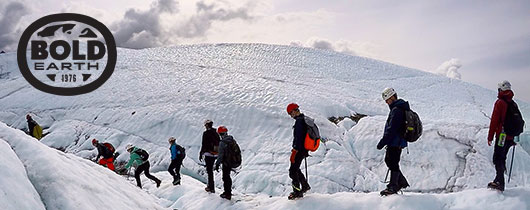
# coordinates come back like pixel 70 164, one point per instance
pixel 171 139
pixel 208 122
pixel 504 85
pixel 129 147
pixel 387 93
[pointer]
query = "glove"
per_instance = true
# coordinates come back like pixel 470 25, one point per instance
pixel 200 157
pixel 380 146
pixel 293 155
pixel 217 167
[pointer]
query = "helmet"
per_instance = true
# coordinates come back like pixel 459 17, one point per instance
pixel 206 122
pixel 171 139
pixel 94 141
pixel 388 92
pixel 505 85
pixel 129 147
pixel 222 129
pixel 291 107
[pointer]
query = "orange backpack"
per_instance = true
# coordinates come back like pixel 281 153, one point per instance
pixel 312 138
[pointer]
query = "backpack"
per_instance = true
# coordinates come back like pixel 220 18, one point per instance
pixel 109 147
pixel 312 138
pixel 413 126
pixel 233 157
pixel 181 150
pixel 513 123
pixel 143 154
pixel 37 132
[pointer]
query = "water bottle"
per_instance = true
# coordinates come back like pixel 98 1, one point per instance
pixel 502 138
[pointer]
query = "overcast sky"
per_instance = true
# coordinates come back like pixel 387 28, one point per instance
pixel 482 42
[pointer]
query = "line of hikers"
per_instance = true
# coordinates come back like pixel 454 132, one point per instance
pixel 402 126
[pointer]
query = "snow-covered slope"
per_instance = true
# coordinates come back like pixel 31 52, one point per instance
pixel 16 191
pixel 63 181
pixel 162 92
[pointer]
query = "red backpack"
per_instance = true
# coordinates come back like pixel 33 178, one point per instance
pixel 109 147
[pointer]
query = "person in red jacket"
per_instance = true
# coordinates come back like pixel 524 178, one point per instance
pixel 503 142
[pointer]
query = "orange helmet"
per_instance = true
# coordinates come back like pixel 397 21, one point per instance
pixel 291 107
pixel 222 129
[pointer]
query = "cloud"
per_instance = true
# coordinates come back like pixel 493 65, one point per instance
pixel 162 23
pixel 365 49
pixel 140 29
pixel 450 68
pixel 10 33
pixel 206 14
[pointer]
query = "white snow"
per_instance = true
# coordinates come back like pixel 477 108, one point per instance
pixel 16 191
pixel 161 92
pixel 65 181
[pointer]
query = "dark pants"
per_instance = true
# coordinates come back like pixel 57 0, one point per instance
pixel 144 168
pixel 174 168
pixel 227 181
pixel 392 158
pixel 296 174
pixel 209 169
pixel 499 159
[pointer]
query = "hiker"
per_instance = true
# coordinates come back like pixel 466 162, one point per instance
pixel 34 128
pixel 177 155
pixel 504 129
pixel 230 157
pixel 139 159
pixel 209 149
pixel 107 151
pixel 394 142
pixel 298 153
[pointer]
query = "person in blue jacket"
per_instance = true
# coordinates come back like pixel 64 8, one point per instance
pixel 177 155
pixel 393 140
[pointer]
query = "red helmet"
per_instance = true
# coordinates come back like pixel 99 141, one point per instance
pixel 291 107
pixel 94 141
pixel 222 129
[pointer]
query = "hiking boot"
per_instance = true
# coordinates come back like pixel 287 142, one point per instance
pixel 496 186
pixel 305 188
pixel 209 190
pixel 158 182
pixel 226 196
pixel 176 182
pixel 388 191
pixel 295 195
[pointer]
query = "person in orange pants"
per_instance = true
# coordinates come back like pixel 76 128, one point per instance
pixel 109 162
pixel 106 151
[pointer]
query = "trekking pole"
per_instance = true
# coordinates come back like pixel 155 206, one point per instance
pixel 306 177
pixel 386 176
pixel 511 164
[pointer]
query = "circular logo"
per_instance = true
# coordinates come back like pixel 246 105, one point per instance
pixel 66 54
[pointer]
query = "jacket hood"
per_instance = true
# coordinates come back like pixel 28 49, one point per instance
pixel 505 95
pixel 227 138
pixel 400 103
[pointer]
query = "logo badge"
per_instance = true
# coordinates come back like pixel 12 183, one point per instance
pixel 67 54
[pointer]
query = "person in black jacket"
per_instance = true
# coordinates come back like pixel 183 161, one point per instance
pixel 108 155
pixel 224 153
pixel 31 126
pixel 298 153
pixel 392 139
pixel 209 149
